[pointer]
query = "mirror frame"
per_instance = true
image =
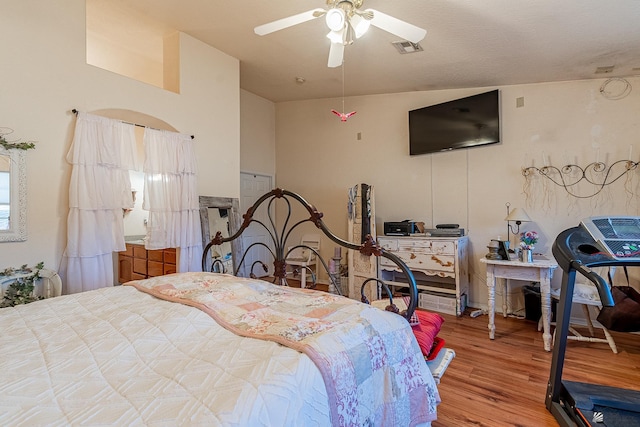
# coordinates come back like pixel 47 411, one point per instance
pixel 233 205
pixel 18 196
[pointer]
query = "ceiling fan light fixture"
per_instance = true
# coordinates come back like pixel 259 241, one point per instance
pixel 348 22
pixel 335 19
pixel 336 36
pixel 359 24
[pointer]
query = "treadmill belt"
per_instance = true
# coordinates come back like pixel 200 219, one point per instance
pixel 619 407
pixel 612 417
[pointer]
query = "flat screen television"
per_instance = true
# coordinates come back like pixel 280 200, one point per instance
pixel 461 123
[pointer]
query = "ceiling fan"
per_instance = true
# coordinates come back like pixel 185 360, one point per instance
pixel 346 21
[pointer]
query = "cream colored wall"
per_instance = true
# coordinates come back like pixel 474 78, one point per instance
pixel 128 42
pixel 320 156
pixel 257 134
pixel 107 55
pixel 45 76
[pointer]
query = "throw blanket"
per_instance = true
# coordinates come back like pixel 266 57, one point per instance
pixel 371 364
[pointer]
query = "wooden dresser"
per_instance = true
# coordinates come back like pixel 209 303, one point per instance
pixel 138 263
pixel 439 264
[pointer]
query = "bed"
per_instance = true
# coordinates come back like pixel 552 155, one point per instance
pixel 206 348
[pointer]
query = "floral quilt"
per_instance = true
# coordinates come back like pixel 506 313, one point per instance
pixel 371 364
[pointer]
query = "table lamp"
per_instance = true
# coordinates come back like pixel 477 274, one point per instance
pixel 518 216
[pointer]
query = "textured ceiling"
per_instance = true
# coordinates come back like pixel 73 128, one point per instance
pixel 469 43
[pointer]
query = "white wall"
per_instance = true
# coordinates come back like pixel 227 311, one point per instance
pixel 320 156
pixel 257 134
pixel 45 75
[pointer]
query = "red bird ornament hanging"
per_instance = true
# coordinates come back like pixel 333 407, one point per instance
pixel 343 116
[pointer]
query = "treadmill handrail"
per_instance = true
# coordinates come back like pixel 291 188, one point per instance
pixel 606 298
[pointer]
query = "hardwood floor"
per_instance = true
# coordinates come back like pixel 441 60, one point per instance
pixel 503 382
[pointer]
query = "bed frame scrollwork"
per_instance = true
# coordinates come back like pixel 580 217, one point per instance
pixel 280 234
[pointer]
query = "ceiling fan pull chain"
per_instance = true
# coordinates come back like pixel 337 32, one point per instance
pixel 343 84
pixel 343 116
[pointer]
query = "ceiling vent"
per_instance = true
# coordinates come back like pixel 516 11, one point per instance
pixel 407 47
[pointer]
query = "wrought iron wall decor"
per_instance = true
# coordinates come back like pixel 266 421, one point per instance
pixel 569 176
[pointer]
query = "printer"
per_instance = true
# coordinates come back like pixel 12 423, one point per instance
pixel 402 228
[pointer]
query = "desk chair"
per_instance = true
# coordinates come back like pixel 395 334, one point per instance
pixel 586 295
pixel 303 258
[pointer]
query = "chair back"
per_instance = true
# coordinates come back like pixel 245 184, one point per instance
pixel 304 254
pixel 311 240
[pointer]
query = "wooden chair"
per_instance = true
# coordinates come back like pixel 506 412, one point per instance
pixel 303 258
pixel 586 295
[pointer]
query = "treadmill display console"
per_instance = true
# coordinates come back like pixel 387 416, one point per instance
pixel 617 235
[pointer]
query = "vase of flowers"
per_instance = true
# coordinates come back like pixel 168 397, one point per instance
pixel 528 239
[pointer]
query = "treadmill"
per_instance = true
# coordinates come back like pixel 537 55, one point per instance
pixel 596 242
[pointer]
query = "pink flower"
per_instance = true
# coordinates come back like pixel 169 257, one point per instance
pixel 528 239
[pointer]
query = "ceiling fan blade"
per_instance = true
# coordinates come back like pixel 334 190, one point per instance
pixel 397 27
pixel 289 21
pixel 336 54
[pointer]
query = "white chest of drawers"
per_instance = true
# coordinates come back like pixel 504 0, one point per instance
pixel 439 264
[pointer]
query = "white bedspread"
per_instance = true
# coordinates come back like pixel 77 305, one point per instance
pixel 120 357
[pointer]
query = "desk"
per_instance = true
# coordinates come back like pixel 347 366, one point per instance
pixel 540 270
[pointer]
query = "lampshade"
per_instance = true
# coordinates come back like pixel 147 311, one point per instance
pixel 360 26
pixel 518 215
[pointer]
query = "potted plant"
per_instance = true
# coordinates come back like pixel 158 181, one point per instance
pixel 20 291
pixel 528 239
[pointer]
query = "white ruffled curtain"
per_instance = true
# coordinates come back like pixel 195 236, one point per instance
pixel 171 196
pixel 102 153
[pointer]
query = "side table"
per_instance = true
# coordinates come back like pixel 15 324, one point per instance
pixel 540 270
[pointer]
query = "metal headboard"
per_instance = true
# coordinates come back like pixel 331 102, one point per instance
pixel 281 233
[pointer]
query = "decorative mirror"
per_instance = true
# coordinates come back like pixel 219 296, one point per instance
pixel 221 214
pixel 13 195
